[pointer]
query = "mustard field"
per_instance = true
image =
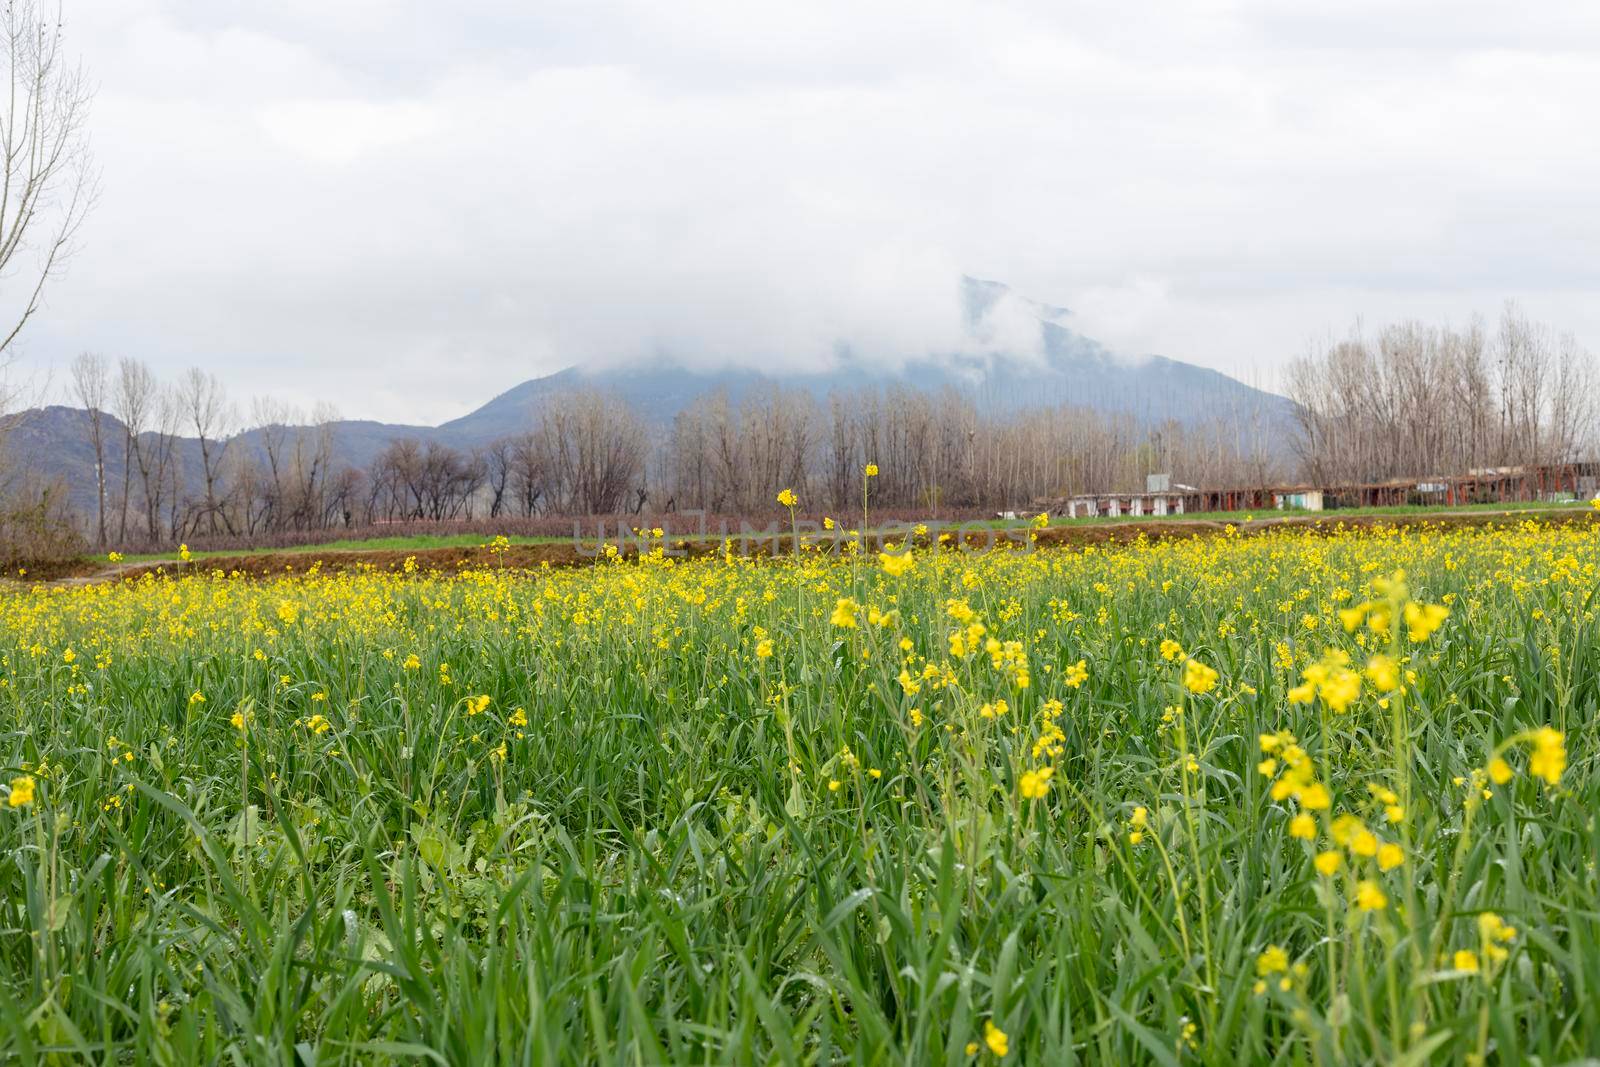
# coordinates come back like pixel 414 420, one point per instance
pixel 1283 798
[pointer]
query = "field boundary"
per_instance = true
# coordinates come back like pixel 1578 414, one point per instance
pixel 567 554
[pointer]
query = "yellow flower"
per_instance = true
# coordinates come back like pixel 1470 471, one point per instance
pixel 412 662
pixel 1493 934
pixel 1315 797
pixel 1198 678
pixel 764 648
pixel 1076 674
pixel 844 613
pixel 1036 784
pixel 1549 757
pixel 1341 688
pixel 1343 829
pixel 897 563
pixel 1369 897
pixel 1328 862
pixel 871 470
pixel 21 791
pixel 1383 672
pixel 995 1038
pixel 1304 827
pixel 1390 856
pixel 318 725
pixel 239 719
pixel 183 553
pixel 788 499
pixel 114 557
pixel 196 697
pixel 1499 771
pixel 1423 619
pixel 1271 961
pixel 1465 960
pixel 1170 650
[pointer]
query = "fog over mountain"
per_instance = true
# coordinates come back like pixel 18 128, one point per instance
pixel 1015 354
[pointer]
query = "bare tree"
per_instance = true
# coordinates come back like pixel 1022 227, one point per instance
pixel 1573 410
pixel 90 382
pixel 47 182
pixel 159 463
pixel 271 419
pixel 1415 400
pixel 594 449
pixel 500 462
pixel 206 407
pixel 528 473
pixel 132 400
pixel 311 465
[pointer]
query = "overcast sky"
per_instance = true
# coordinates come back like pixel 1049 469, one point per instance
pixel 407 207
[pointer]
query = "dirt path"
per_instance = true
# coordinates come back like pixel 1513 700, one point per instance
pixel 582 553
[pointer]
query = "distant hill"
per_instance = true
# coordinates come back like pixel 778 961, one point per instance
pixel 1064 367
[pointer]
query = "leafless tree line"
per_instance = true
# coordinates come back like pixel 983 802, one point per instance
pixel 1415 400
pixel 177 459
pixel 169 461
pixel 936 450
pixel 587 453
pixel 583 453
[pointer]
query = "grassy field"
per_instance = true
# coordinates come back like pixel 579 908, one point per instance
pixel 1229 800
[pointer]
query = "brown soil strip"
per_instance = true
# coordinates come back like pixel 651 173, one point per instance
pixel 576 554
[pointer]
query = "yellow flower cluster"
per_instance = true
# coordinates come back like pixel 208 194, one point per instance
pixel 21 794
pixel 1331 679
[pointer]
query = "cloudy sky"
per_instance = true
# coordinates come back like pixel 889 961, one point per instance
pixel 407 207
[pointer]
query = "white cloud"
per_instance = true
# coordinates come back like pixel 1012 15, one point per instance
pixel 408 208
pixel 342 131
